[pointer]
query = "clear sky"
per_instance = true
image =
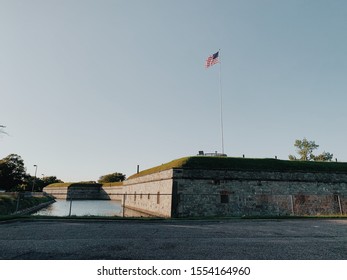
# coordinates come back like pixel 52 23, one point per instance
pixel 89 88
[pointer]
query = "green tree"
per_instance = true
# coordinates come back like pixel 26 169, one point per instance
pixel 109 178
pixel 47 180
pixel 40 183
pixel 12 172
pixel 305 150
pixel 325 156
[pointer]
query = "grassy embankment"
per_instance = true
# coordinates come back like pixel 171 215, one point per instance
pixel 71 184
pixel 9 202
pixel 249 164
pixel 230 163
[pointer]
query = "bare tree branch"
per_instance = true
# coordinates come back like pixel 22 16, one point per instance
pixel 2 131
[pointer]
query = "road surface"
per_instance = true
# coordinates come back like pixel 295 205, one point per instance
pixel 237 239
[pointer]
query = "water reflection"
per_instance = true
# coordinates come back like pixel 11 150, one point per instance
pixel 83 208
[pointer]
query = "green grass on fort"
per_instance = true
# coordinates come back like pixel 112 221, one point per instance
pixel 84 185
pixel 229 163
pixel 247 164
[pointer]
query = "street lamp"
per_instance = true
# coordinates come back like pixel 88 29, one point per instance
pixel 34 177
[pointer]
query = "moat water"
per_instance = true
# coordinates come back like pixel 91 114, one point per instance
pixel 61 208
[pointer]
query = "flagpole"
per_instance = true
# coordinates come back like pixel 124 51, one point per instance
pixel 221 100
pixel 211 60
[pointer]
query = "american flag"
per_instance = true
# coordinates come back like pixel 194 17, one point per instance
pixel 212 60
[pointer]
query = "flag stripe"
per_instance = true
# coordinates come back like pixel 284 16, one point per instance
pixel 212 60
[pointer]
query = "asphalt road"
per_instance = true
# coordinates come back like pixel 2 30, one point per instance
pixel 310 239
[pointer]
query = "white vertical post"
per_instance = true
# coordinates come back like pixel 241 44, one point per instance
pixel 340 206
pixel 70 206
pixel 124 197
pixel 292 204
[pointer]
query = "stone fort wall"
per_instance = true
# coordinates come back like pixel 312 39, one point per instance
pixel 150 194
pixel 192 192
pixel 248 193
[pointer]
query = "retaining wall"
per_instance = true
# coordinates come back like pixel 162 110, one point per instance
pixel 90 192
pixel 239 193
pixel 75 192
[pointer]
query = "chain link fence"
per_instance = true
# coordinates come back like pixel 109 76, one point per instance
pixel 23 203
pixel 158 204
